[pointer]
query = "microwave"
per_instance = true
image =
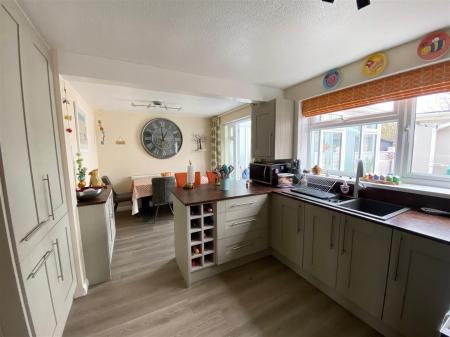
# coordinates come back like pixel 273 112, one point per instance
pixel 267 173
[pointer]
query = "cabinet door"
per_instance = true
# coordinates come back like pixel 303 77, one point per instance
pixel 275 223
pixel 287 228
pixel 13 139
pixel 63 281
pixel 263 129
pixel 418 288
pixel 40 119
pixel 363 263
pixel 292 212
pixel 321 244
pixel 38 271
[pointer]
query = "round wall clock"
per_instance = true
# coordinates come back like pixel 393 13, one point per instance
pixel 161 138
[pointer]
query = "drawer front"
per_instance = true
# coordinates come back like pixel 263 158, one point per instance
pixel 247 206
pixel 237 246
pixel 240 225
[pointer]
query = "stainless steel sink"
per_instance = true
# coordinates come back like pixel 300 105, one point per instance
pixel 373 208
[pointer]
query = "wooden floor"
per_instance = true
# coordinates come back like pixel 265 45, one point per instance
pixel 147 296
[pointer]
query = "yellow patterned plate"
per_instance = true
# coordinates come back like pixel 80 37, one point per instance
pixel 374 64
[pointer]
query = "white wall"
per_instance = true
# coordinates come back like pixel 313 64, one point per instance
pixel 400 58
pixel 120 162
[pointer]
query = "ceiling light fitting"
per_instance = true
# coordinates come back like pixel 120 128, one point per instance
pixel 359 3
pixel 156 104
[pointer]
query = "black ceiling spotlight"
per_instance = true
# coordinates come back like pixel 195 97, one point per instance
pixel 362 3
pixel 359 3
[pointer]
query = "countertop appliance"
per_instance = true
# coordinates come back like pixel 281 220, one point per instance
pixel 267 173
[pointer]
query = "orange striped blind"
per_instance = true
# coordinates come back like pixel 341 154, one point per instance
pixel 427 80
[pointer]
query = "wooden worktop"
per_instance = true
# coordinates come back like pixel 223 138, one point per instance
pixel 101 199
pixel 430 226
pixel 210 192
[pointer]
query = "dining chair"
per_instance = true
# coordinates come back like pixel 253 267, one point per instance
pixel 181 179
pixel 161 189
pixel 118 197
pixel 212 176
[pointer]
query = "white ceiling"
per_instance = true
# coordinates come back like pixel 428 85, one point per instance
pixel 114 98
pixel 274 43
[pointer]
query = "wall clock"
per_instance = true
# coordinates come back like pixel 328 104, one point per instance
pixel 161 138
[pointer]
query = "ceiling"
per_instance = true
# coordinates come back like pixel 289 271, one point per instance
pixel 114 98
pixel 272 43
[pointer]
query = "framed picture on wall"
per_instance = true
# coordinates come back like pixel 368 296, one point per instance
pixel 81 126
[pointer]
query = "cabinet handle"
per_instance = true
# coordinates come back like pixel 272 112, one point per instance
pixel 332 233
pixel 242 222
pixel 34 230
pixel 243 204
pixel 343 238
pixel 50 195
pixel 397 263
pixel 241 246
pixel 60 274
pixel 40 264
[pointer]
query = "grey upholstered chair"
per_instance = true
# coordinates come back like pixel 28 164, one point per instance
pixel 117 197
pixel 161 190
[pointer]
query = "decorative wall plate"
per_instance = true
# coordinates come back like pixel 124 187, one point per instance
pixel 374 64
pixel 161 138
pixel 331 79
pixel 433 46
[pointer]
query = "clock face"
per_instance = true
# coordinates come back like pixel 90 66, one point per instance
pixel 161 138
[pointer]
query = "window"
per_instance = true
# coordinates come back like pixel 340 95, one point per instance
pixel 337 147
pixel 419 150
pixel 237 146
pixel 431 142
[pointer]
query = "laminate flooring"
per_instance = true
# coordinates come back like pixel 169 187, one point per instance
pixel 147 296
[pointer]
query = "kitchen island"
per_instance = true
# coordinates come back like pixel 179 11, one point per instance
pixel 217 230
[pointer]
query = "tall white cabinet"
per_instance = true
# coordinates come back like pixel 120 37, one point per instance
pixel 32 176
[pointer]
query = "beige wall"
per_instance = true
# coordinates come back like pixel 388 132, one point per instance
pixel 120 162
pixel 400 58
pixel 90 157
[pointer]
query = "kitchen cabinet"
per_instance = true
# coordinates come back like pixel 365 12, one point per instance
pixel 363 263
pixel 418 287
pixel 321 245
pixel 28 133
pixel 287 226
pixel 272 130
pixel 49 281
pixel 98 232
pixel 242 227
pixel 64 283
pixel 33 187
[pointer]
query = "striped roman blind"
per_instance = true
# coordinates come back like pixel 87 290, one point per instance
pixel 422 81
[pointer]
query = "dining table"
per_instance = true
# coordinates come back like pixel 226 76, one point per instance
pixel 142 189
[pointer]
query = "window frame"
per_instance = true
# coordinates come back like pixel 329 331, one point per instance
pixel 384 117
pixel 404 114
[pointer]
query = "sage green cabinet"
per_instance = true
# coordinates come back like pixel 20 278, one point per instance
pixel 273 130
pixel 363 263
pixel 418 287
pixel 320 257
pixel 287 225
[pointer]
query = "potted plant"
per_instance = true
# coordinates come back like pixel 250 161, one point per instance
pixel 81 172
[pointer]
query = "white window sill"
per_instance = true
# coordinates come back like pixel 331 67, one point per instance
pixel 403 187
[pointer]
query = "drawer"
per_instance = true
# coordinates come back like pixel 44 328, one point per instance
pixel 237 246
pixel 230 227
pixel 247 206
